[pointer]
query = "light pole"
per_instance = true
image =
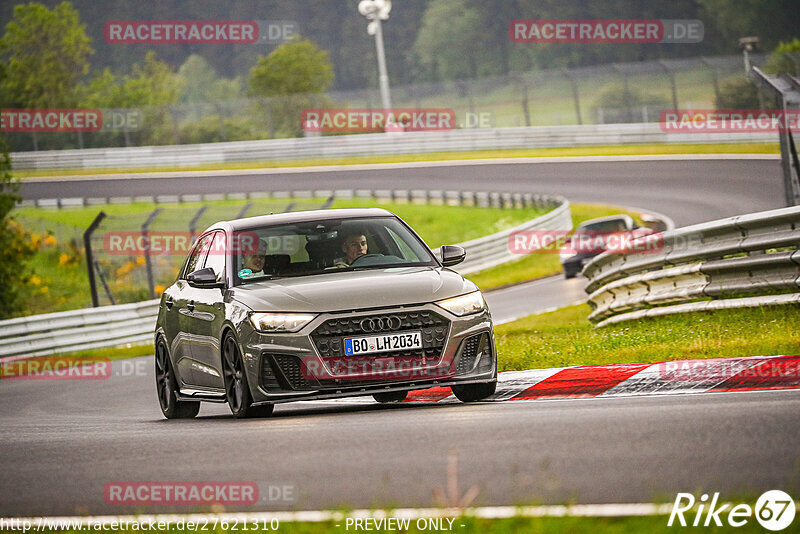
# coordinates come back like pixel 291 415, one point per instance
pixel 748 45
pixel 376 11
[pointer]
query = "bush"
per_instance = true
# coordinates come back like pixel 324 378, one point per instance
pixel 616 100
pixel 14 242
pixel 779 60
pixel 739 93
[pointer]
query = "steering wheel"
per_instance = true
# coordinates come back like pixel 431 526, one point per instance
pixel 364 256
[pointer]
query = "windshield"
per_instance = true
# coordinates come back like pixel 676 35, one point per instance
pixel 614 225
pixel 324 246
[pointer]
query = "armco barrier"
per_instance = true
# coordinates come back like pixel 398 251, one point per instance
pixel 743 261
pixel 109 326
pixel 371 144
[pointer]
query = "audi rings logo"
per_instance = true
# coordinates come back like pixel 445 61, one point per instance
pixel 379 324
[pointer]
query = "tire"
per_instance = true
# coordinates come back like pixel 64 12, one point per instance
pixel 237 390
pixel 390 396
pixel 474 392
pixel 167 389
pixel 570 273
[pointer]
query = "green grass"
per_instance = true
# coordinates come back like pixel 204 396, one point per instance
pixel 612 150
pixel 565 337
pixel 531 266
pixel 60 281
pixel 438 225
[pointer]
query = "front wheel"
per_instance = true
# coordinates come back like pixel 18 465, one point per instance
pixel 167 389
pixel 390 396
pixel 474 392
pixel 237 391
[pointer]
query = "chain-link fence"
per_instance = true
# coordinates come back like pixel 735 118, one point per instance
pixel 615 93
pixel 133 257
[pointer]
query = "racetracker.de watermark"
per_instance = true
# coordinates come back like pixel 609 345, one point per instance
pixel 56 368
pixel 641 241
pixel 166 243
pixel 199 31
pixel 192 493
pixel 729 120
pixel 605 31
pixel 72 368
pixel 54 120
pixel 372 367
pixel 781 369
pixel 361 120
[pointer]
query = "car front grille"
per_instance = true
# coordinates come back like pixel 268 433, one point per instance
pixel 328 337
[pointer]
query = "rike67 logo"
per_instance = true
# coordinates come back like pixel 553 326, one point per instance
pixel 774 510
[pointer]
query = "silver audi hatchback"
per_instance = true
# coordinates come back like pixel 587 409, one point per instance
pixel 318 305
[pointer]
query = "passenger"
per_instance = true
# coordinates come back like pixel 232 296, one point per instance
pixel 253 264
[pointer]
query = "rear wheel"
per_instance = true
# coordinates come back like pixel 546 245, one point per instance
pixel 167 390
pixel 390 396
pixel 474 392
pixel 570 272
pixel 237 391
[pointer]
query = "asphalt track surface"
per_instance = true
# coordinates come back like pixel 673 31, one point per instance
pixel 689 191
pixel 63 441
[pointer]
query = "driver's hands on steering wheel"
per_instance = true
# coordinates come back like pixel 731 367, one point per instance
pixel 358 259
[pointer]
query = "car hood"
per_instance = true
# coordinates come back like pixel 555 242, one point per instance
pixel 353 290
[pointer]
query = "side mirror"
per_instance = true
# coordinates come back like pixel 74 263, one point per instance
pixel 452 255
pixel 204 278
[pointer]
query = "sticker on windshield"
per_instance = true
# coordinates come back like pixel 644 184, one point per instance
pixel 245 273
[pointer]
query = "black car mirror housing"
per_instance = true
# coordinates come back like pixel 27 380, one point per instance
pixel 452 255
pixel 204 278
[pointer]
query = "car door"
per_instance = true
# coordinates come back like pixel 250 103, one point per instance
pixel 179 326
pixel 207 316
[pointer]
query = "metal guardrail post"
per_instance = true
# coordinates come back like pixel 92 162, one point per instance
pixel 575 95
pixel 674 87
pixel 147 263
pixel 714 77
pixel 787 89
pixel 107 289
pixel 194 221
pixel 87 245
pixel 244 210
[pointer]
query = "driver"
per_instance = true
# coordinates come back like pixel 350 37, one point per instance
pixel 354 245
pixel 253 264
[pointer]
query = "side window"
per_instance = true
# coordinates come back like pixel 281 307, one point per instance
pixel 216 255
pixel 197 256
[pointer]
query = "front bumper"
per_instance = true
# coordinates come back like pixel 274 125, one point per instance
pixel 310 365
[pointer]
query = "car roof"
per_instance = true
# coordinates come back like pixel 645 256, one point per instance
pixel 621 216
pixel 298 217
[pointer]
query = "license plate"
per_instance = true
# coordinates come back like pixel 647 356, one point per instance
pixel 383 343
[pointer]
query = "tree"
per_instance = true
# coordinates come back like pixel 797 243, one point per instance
pixel 450 41
pixel 46 53
pixel 201 83
pixel 14 244
pixel 785 59
pixel 771 20
pixel 294 68
pixel 295 76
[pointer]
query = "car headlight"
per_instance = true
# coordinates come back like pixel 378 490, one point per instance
pixel 280 322
pixel 464 304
